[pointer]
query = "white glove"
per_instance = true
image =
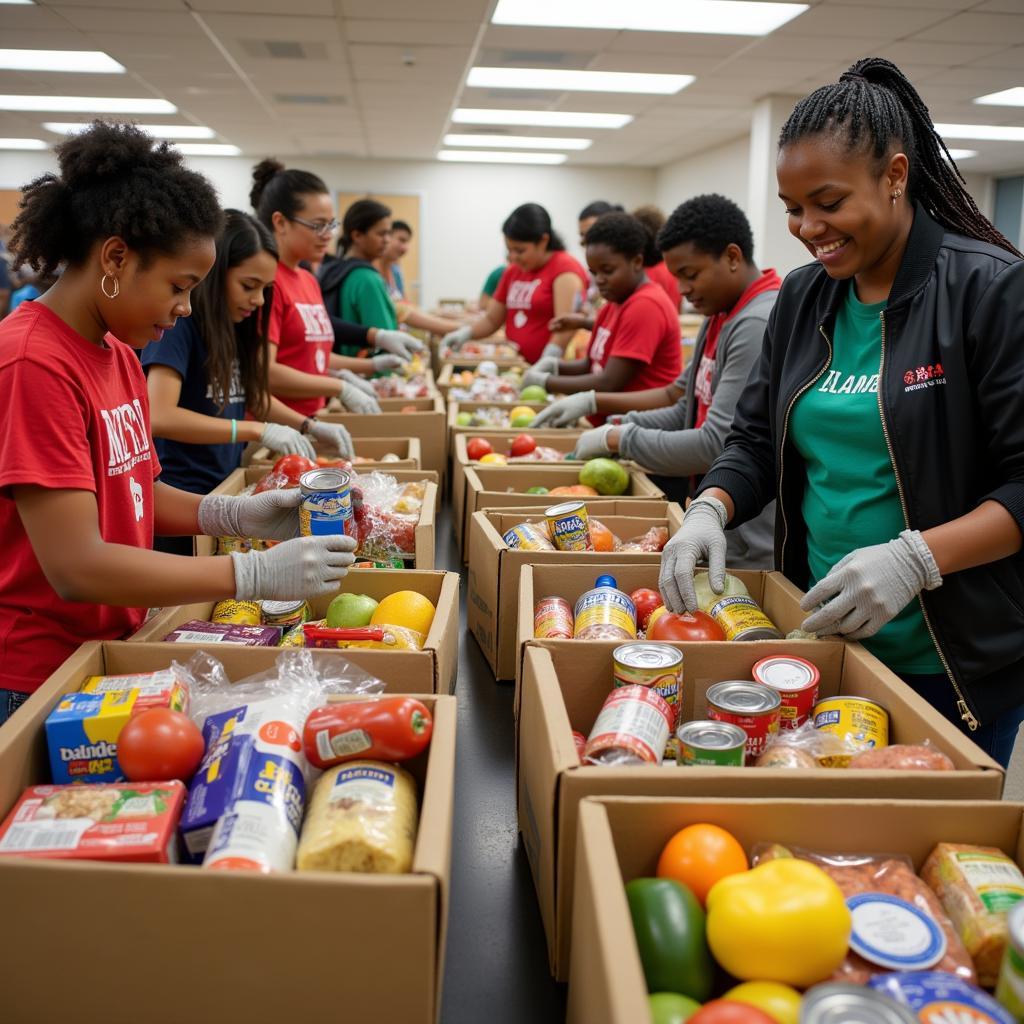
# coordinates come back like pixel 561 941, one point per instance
pixel 286 440
pixel 540 371
pixel 353 378
pixel 383 363
pixel 566 411
pixel 454 339
pixel 333 435
pixel 272 515
pixel 702 536
pixel 552 351
pixel 356 400
pixel 870 587
pixel 398 343
pixel 593 444
pixel 301 568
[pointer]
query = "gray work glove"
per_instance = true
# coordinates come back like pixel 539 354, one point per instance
pixel 702 536
pixel 301 568
pixel 356 400
pixel 593 444
pixel 870 587
pixel 286 440
pixel 272 515
pixel 398 343
pixel 566 411
pixel 552 351
pixel 540 371
pixel 385 362
pixel 453 339
pixel 356 381
pixel 333 435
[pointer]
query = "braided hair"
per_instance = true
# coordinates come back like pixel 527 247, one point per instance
pixel 875 106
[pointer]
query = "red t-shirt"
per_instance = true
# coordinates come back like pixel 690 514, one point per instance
pixel 660 275
pixel 74 416
pixel 301 330
pixel 529 300
pixel 644 328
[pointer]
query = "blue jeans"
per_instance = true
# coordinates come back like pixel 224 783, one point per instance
pixel 10 701
pixel 995 737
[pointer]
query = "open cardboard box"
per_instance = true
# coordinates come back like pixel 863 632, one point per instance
pixel 619 839
pixel 424 540
pixel 431 670
pixel 454 408
pixel 450 367
pixel 506 486
pixel 492 604
pixel 179 941
pixel 426 423
pixel 373 448
pixel 564 689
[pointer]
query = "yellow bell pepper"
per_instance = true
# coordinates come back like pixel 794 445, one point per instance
pixel 784 921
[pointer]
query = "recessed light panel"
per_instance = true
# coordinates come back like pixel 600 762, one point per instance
pixel 563 80
pixel 496 157
pixel 539 118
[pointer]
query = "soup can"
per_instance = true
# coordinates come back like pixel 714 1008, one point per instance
pixel 741 618
pixel 326 506
pixel 569 526
pixel 860 723
pixel 845 1003
pixel 710 744
pixel 553 619
pixel 797 681
pixel 286 613
pixel 645 663
pixel 527 537
pixel 635 723
pixel 754 707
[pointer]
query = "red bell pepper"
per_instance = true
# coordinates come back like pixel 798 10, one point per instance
pixel 382 729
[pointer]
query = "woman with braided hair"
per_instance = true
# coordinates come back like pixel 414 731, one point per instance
pixel 886 412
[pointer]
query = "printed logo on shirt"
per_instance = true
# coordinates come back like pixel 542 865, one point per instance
pixel 138 499
pixel 520 294
pixel 237 391
pixel 127 437
pixel 316 321
pixel 702 382
pixel 923 377
pixel 838 383
pixel 601 338
pixel 321 360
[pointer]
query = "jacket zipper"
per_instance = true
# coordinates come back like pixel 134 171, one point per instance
pixel 962 706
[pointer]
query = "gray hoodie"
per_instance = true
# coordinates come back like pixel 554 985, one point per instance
pixel 665 441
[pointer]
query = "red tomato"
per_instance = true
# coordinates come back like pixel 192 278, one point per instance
pixel 477 448
pixel 522 445
pixel 409 408
pixel 697 626
pixel 160 744
pixel 722 1011
pixel 646 600
pixel 293 466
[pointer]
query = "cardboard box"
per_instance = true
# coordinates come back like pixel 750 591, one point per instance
pixel 619 839
pixel 259 946
pixel 374 448
pixel 492 604
pixel 450 367
pixel 427 424
pixel 425 529
pixel 564 689
pixel 454 408
pixel 431 670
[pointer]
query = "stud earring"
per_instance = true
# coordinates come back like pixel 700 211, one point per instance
pixel 895 195
pixel 116 289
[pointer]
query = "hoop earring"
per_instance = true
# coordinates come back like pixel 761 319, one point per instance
pixel 116 289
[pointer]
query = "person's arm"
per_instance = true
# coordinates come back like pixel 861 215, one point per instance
pixel 615 376
pixel 287 382
pixel 565 290
pixel 278 412
pixel 169 420
pixel 349 334
pixel 572 322
pixel 425 322
pixel 573 367
pixel 364 367
pixel 984 535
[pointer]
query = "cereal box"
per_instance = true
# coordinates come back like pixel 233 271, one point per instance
pixel 196 631
pixel 133 821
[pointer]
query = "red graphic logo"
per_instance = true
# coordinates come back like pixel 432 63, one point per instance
pixel 923 377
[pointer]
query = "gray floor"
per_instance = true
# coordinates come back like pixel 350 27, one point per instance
pixel 496 966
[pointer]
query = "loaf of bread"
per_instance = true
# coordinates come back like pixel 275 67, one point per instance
pixel 362 817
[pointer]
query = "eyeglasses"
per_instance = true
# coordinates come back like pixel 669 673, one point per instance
pixel 318 227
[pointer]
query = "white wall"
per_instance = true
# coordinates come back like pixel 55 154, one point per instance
pixel 723 169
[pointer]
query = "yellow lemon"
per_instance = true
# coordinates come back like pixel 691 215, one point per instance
pixel 655 615
pixel 494 459
pixel 405 608
pixel 521 410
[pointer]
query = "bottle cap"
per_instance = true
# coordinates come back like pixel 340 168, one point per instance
pixel 607 581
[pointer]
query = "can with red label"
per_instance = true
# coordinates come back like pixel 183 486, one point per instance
pixel 553 619
pixel 754 707
pixel 581 744
pixel 635 722
pixel 797 681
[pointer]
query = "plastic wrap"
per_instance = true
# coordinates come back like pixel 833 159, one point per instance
pixel 486 384
pixel 907 757
pixel 386 514
pixel 652 541
pixel 805 747
pixel 397 386
pixel 377 638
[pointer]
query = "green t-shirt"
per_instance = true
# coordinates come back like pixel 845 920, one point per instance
pixel 491 284
pixel 851 499
pixel 365 300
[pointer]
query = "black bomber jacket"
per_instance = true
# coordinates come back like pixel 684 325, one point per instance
pixel 951 398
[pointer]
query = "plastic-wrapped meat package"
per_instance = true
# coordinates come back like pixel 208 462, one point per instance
pixel 652 541
pixel 386 514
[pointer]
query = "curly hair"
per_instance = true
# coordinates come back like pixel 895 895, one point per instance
pixel 652 220
pixel 621 232
pixel 276 189
pixel 712 223
pixel 113 180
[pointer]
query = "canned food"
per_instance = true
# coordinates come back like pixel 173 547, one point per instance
pixel 797 681
pixel 943 998
pixel 326 506
pixel 241 613
pixel 1010 989
pixel 741 618
pixel 605 613
pixel 286 613
pixel 657 666
pixel 860 723
pixel 844 1003
pixel 710 744
pixel 569 526
pixel 527 537
pixel 634 722
pixel 234 545
pixel 581 744
pixel 553 619
pixel 754 707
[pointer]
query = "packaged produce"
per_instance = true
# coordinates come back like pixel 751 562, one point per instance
pixel 785 755
pixel 605 613
pixel 110 822
pixel 652 541
pixel 805 747
pixel 797 681
pixel 937 996
pixel 632 727
pixel 860 723
pixel 656 666
pixel 837 1001
pixel 977 886
pixel 754 707
pixel 568 526
pixel 710 744
pixel 1010 987
pixel 553 618
pixel 919 757
pixel 196 631
pixel 384 728
pixel 377 638
pixel 362 817
pixel 701 855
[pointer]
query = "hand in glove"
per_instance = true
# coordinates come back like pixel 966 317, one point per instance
pixel 593 444
pixel 540 371
pixel 356 400
pixel 398 343
pixel 333 435
pixel 453 339
pixel 286 440
pixel 700 538
pixel 301 568
pixel 272 515
pixel 566 411
pixel 385 362
pixel 353 378
pixel 870 587
pixel 552 351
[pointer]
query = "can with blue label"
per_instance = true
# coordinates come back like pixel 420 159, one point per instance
pixel 326 507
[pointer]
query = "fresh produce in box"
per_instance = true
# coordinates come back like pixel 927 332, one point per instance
pixel 728 1011
pixel 385 728
pixel 606 476
pixel 397 386
pixel 160 744
pixel 350 611
pixel 780 1002
pixel 691 626
pixel 671 1008
pixel 699 856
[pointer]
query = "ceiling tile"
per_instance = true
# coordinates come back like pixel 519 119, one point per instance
pixel 143 20
pixel 997 29
pixel 833 19
pixel 359 30
pixel 291 8
pixel 915 51
pixel 448 10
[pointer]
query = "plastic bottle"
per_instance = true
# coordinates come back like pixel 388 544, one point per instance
pixel 605 613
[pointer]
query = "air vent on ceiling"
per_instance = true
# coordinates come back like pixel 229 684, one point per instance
pixel 283 49
pixel 311 99
pixel 498 57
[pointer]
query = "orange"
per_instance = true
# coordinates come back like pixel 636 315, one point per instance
pixel 404 608
pixel 701 855
pixel 601 537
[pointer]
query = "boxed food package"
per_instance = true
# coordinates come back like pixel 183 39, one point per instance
pixel 384 453
pixel 199 631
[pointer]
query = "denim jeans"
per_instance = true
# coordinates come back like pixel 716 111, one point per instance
pixel 10 701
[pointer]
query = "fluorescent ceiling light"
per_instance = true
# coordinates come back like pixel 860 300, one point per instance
pixel 495 157
pixel 1007 98
pixel 517 142
pixel 539 118
pixel 561 80
pixel 159 131
pixel 22 144
pixel 994 132
pixel 722 17
pixel 962 154
pixel 19 2
pixel 89 104
pixel 207 149
pixel 60 60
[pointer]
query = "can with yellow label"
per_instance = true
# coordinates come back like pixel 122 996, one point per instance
pixel 860 723
pixel 241 613
pixel 741 618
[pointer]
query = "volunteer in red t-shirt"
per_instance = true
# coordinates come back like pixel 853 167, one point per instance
pixel 541 283
pixel 635 341
pixel 78 499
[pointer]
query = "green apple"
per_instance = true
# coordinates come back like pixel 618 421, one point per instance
pixel 522 420
pixel 533 393
pixel 350 611
pixel 464 419
pixel 606 476
pixel 536 490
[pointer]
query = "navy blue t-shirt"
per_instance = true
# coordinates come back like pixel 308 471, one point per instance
pixel 196 468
